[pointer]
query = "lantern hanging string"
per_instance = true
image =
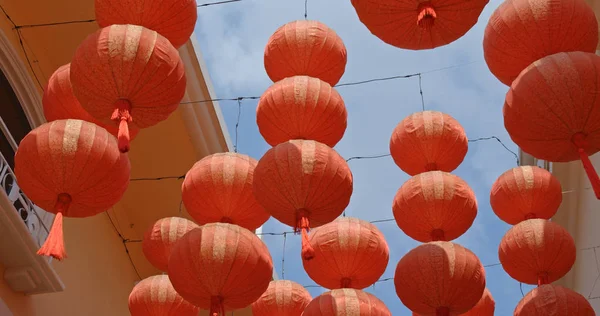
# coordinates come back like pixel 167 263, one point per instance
pixel 306 9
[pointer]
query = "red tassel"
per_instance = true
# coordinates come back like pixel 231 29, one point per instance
pixel 438 235
pixel 304 225
pixel 580 141
pixel 426 15
pixel 346 283
pixel 122 113
pixel 442 311
pixel 542 278
pixel 54 245
pixel 216 306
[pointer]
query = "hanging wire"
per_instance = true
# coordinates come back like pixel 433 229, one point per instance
pixel 306 9
pixel 237 124
pixel 421 92
pixel 501 143
pixel 125 242
pixel 283 257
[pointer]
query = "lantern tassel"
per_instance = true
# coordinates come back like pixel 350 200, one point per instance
pixel 580 141
pixel 426 15
pixel 122 113
pixel 591 172
pixel 216 306
pixel 542 278
pixel 308 252
pixel 54 245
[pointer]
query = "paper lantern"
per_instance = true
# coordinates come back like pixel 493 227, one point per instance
pixel 71 168
pixel 525 192
pixel 173 19
pixel 433 206
pixel 418 25
pixel 427 281
pixel 220 267
pixel 301 107
pixel 552 111
pixel 303 184
pixel 282 298
pixel 428 141
pixel 61 104
pixel 485 307
pixel 554 300
pixel 218 188
pixel 307 48
pixel 160 238
pixel 349 253
pixel 520 32
pixel 342 302
pixel 128 75
pixel 155 296
pixel 537 251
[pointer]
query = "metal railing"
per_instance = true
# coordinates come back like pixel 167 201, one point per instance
pixel 32 216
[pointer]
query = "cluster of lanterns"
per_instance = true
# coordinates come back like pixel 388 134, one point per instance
pixel 128 76
pixel 552 113
pixel 435 207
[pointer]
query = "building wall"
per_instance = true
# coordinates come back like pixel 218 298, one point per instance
pixel 98 275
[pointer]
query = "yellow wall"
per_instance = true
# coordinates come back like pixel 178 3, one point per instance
pixel 97 275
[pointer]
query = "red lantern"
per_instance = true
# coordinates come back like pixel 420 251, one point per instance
pixel 427 283
pixel 60 103
pixel 282 298
pixel 434 206
pixel 307 48
pixel 71 168
pixel 218 188
pixel 303 184
pixel 173 19
pixel 343 302
pixel 485 307
pixel 301 107
pixel 128 75
pixel 428 141
pixel 349 253
pixel 520 32
pixel 220 267
pixel 160 238
pixel 525 192
pixel 537 251
pixel 554 300
pixel 557 120
pixel 155 296
pixel 411 24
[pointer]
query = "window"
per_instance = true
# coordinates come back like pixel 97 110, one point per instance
pixel 13 119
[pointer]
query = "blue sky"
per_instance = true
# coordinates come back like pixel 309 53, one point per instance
pixel 233 37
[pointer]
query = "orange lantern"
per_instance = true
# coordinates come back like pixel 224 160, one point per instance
pixel 155 296
pixel 301 107
pixel 427 284
pixel 303 184
pixel 218 188
pixel 433 206
pixel 346 302
pixel 520 32
pixel 537 251
pixel 173 19
pixel 349 253
pixel 160 238
pixel 220 267
pixel 485 307
pixel 557 120
pixel 525 192
pixel 428 141
pixel 422 24
pixel 307 48
pixel 60 103
pixel 554 300
pixel 107 72
pixel 71 168
pixel 282 298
